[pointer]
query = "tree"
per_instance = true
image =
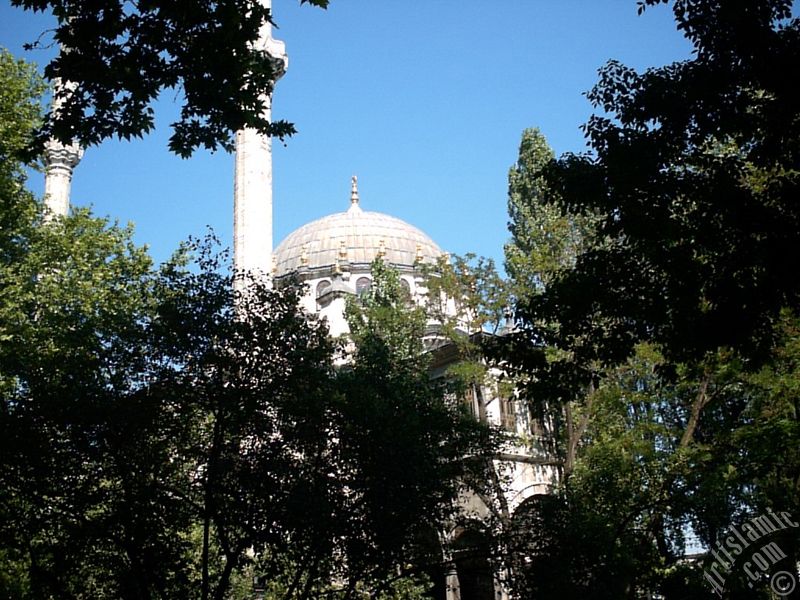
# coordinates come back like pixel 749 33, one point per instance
pixel 20 114
pixel 71 297
pixel 410 445
pixel 545 243
pixel 119 56
pixel 651 334
pixel 20 111
pixel 544 240
pixel 71 351
pixel 249 378
pixel 693 174
pixel 142 408
pixel 686 205
pixel 618 526
pixel 468 300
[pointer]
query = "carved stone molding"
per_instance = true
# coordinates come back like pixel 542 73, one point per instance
pixel 59 157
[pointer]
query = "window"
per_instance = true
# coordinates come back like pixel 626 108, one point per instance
pixel 508 417
pixel 322 286
pixel 406 286
pixel 362 285
pixel 405 292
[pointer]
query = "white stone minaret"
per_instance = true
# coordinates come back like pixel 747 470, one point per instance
pixel 59 162
pixel 252 203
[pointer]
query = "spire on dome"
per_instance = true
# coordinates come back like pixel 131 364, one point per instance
pixel 354 190
pixel 354 209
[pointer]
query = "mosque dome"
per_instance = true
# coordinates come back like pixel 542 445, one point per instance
pixel 356 237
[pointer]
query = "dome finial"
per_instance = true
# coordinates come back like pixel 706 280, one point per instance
pixel 354 190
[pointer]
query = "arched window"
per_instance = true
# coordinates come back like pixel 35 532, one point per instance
pixel 405 292
pixel 362 285
pixel 475 577
pixel 322 286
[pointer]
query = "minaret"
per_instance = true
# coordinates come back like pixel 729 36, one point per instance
pixel 59 161
pixel 252 203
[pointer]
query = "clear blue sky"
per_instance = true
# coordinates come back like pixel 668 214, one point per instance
pixel 424 101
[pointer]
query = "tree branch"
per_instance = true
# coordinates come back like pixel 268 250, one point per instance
pixel 700 401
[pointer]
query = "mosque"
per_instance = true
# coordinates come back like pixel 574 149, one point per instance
pixel 332 256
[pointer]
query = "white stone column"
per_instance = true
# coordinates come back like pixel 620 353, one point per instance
pixel 59 162
pixel 252 204
pixel 452 586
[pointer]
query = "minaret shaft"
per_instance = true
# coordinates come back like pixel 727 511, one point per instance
pixel 252 210
pixel 60 161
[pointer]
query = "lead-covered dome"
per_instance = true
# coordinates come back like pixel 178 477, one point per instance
pixel 356 237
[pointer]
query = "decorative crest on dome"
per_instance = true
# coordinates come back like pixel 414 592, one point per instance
pixel 304 255
pixel 354 190
pixel 382 248
pixel 419 256
pixel 342 250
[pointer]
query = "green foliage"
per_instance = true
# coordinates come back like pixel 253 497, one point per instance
pixel 466 294
pixel 647 473
pixel 776 392
pixel 694 175
pixel 384 315
pixel 617 526
pixel 544 239
pixel 468 301
pixel 396 588
pixel 407 588
pixel 122 55
pixel 410 447
pixel 163 436
pixel 71 355
pixel 661 347
pixel 20 111
pixel 250 378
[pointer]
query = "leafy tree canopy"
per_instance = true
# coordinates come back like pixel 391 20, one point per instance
pixel 544 240
pixel 117 57
pixel 658 347
pixel 693 177
pixel 20 111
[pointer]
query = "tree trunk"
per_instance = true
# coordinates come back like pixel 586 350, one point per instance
pixel 206 527
pixel 700 401
pixel 575 433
